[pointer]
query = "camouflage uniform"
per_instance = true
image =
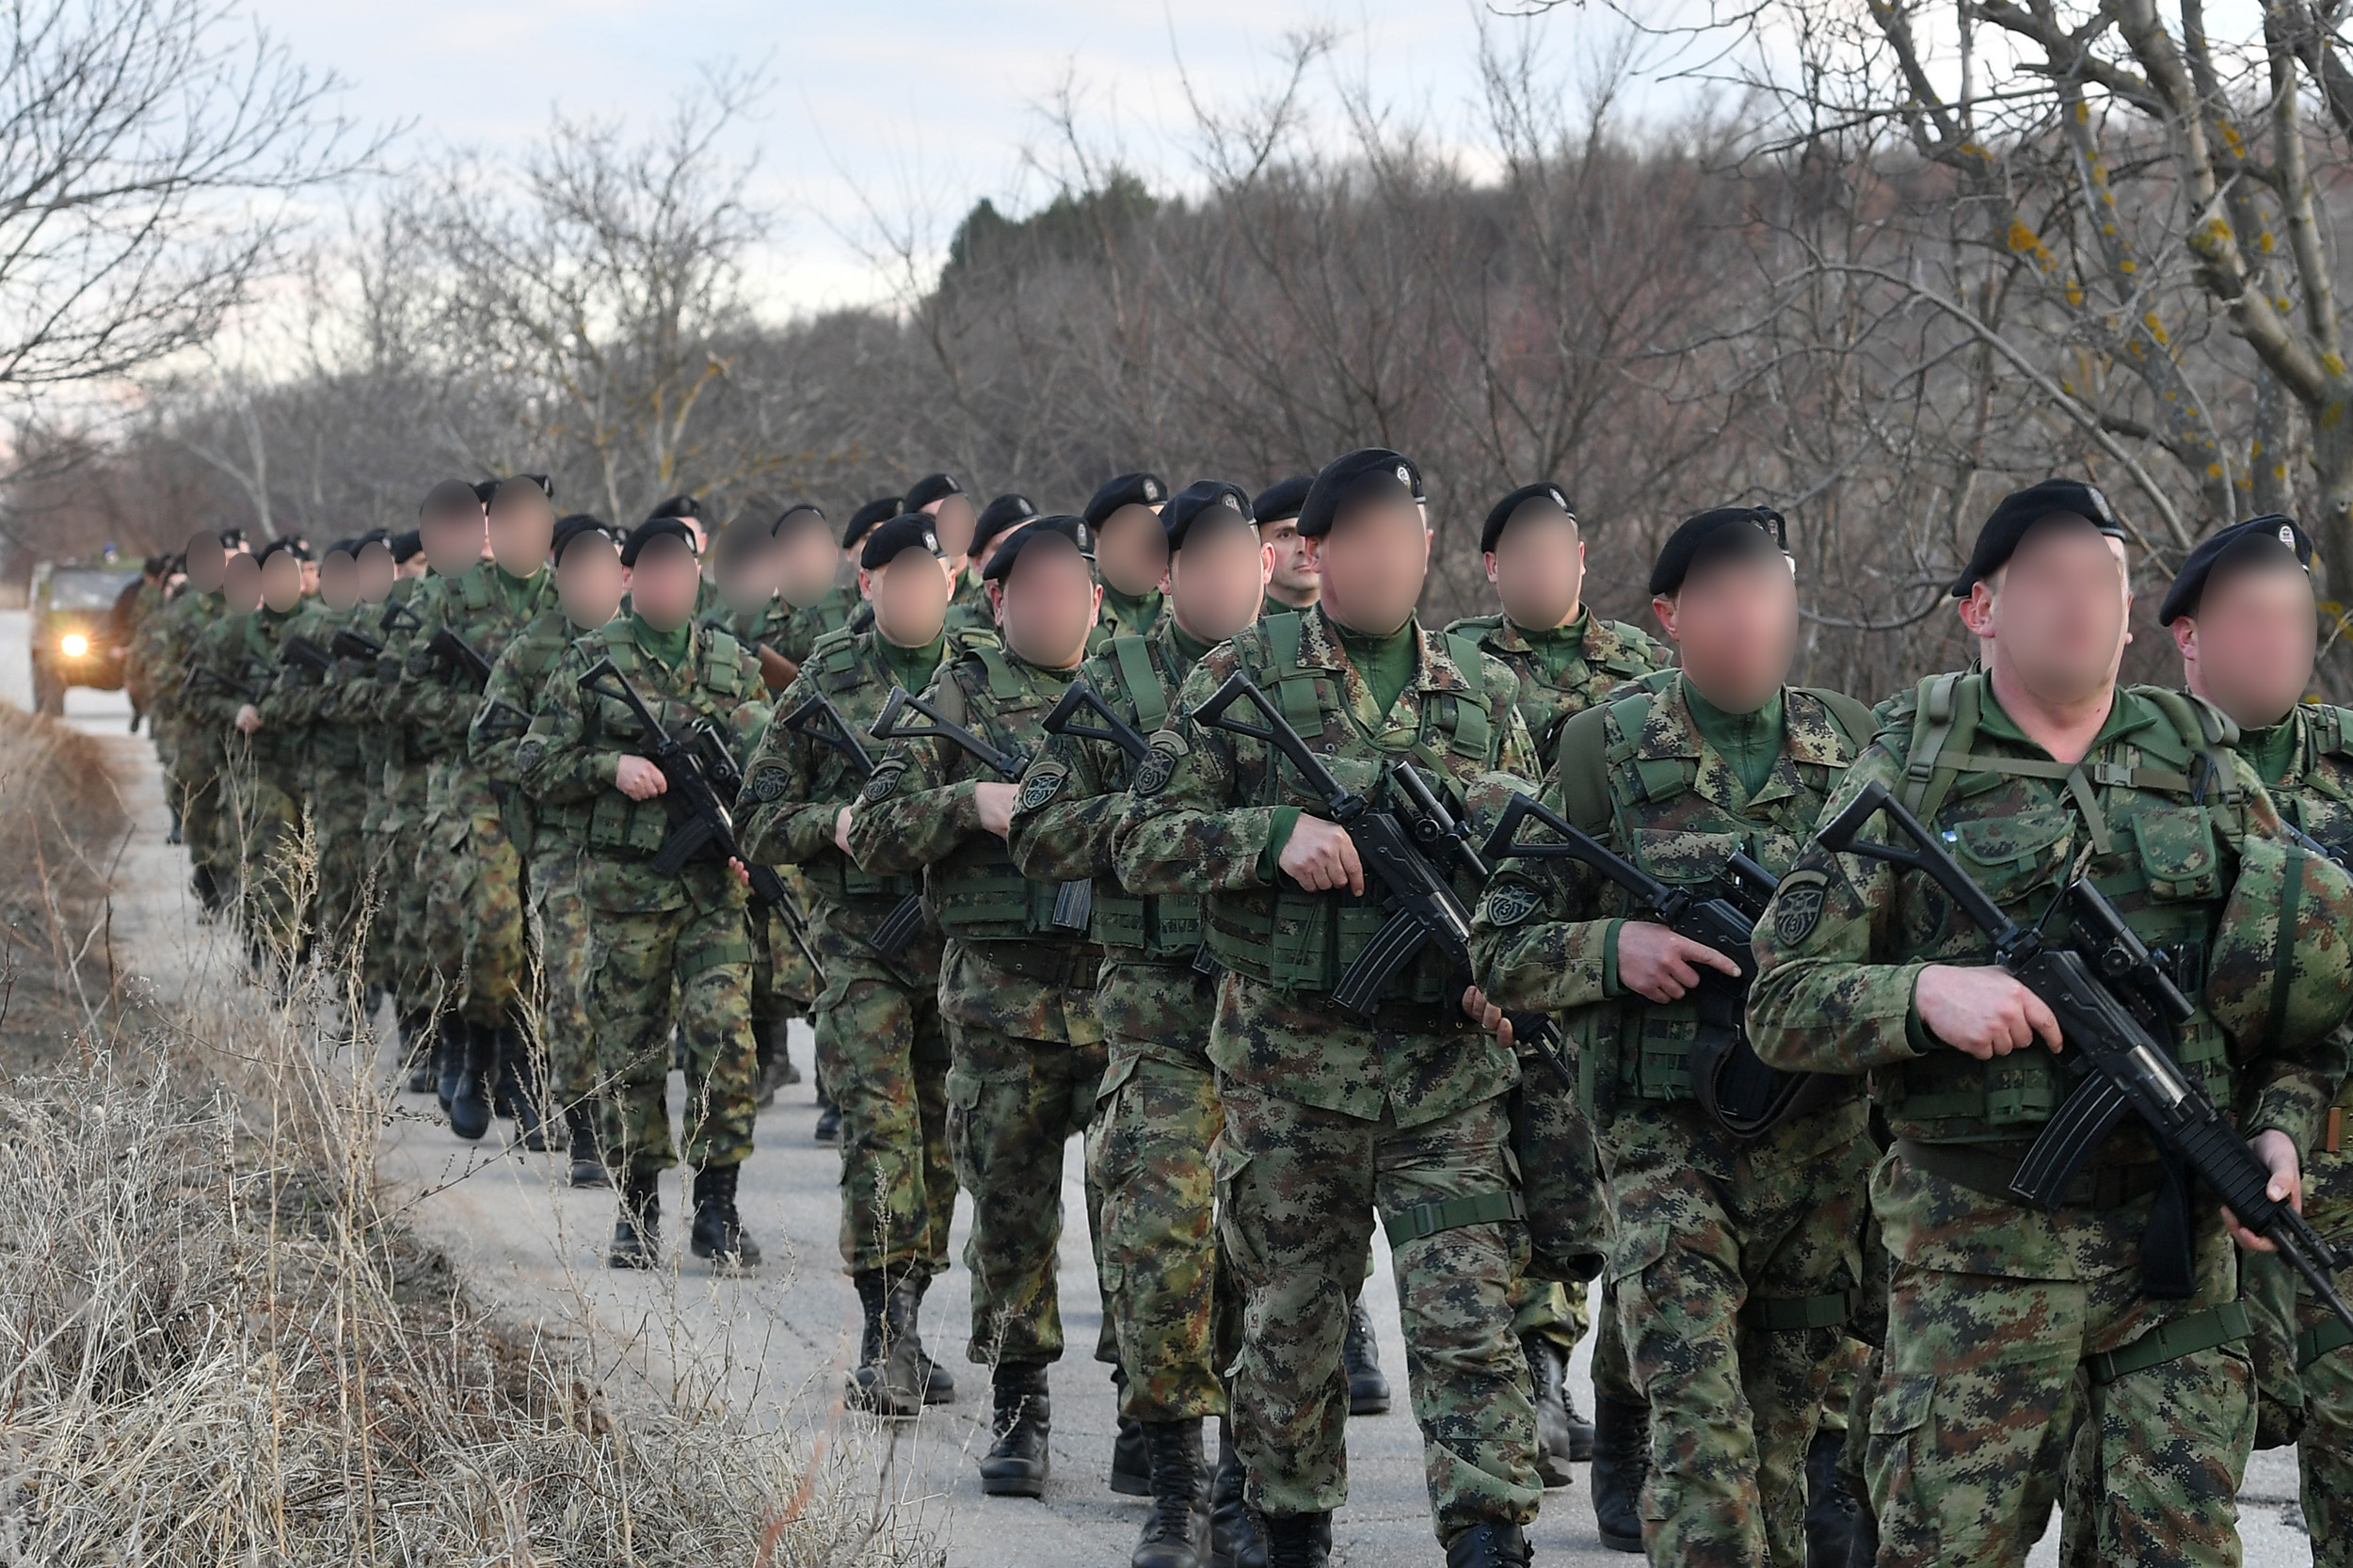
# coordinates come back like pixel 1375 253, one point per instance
pixel 968 609
pixel 1157 1112
pixel 837 609
pixel 1556 682
pixel 472 849
pixel 261 780
pixel 1122 617
pixel 194 746
pixel 878 1028
pixel 333 792
pixel 1328 1119
pixel 396 818
pixel 2007 1324
pixel 1026 1053
pixel 669 951
pixel 1734 1263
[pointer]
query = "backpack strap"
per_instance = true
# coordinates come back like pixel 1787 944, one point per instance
pixel 1002 683
pixel 1944 718
pixel 1851 719
pixel 1294 686
pixel 1465 719
pixel 1582 768
pixel 2206 728
pixel 1133 661
pixel 1662 777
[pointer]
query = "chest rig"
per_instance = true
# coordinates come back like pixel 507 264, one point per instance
pixel 976 893
pixel 1135 678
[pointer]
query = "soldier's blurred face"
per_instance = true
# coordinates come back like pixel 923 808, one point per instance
pixel 1295 578
pixel 453 539
pixel 1372 563
pixel 339 582
pixel 953 517
pixel 664 585
pixel 241 583
pixel 1131 551
pixel 805 562
pixel 2055 619
pixel 588 581
pixel 522 527
pixel 747 575
pixel 910 597
pixel 1217 581
pixel 281 581
pixel 375 572
pixel 2249 648
pixel 1735 623
pixel 1047 602
pixel 1538 567
pixel 205 559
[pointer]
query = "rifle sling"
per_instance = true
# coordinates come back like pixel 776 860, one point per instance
pixel 2171 1340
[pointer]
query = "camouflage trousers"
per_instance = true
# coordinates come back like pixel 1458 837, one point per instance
pixel 783 984
pixel 1157 1118
pixel 566 939
pixel 1567 1215
pixel 687 968
pixel 337 809
pixel 886 1064
pixel 408 966
pixel 1735 1271
pixel 261 821
pixel 1298 1188
pixel 474 901
pixel 1990 1375
pixel 197 778
pixel 1012 1105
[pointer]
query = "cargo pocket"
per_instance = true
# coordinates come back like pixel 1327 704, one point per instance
pixel 1236 1234
pixel 1899 1428
pixel 2177 852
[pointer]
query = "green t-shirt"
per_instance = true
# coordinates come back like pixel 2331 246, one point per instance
pixel 1386 663
pixel 912 667
pixel 519 591
pixel 1188 648
pixel 1557 647
pixel 1750 743
pixel 670 646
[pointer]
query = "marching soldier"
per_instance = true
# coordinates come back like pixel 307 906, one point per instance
pixel 307 701
pixel 1131 555
pixel 1329 1118
pixel 450 516
pixel 2007 1325
pixel 193 745
pixel 262 811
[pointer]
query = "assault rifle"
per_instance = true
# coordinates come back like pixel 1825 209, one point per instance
pixel 1074 901
pixel 2123 1068
pixel 454 654
pixel 700 827
pixel 1744 1095
pixel 817 718
pixel 397 616
pixel 348 643
pixel 303 654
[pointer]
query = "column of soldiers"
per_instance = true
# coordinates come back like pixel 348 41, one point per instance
pixel 1146 824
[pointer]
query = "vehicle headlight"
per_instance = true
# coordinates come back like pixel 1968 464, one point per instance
pixel 74 644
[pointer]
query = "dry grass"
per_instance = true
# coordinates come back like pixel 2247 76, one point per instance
pixel 62 826
pixel 220 1344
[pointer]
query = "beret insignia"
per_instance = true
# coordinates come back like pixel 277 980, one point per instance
pixel 767 784
pixel 1797 907
pixel 885 783
pixel 1042 785
pixel 1158 767
pixel 1510 903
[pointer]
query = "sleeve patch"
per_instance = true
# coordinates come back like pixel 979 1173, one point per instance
pixel 528 754
pixel 885 783
pixel 1797 906
pixel 1043 784
pixel 768 784
pixel 1510 903
pixel 1158 767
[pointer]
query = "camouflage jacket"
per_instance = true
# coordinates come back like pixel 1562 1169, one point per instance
pixel 487 609
pixel 1647 783
pixel 969 609
pixel 304 700
pixel 839 608
pixel 1205 812
pixel 237 664
pixel 2175 828
pixel 1122 617
pixel 1010 968
pixel 569 757
pixel 509 701
pixel 178 630
pixel 1610 653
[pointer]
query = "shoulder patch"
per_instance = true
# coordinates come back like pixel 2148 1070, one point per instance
pixel 885 783
pixel 767 784
pixel 1797 906
pixel 1158 767
pixel 528 754
pixel 1043 784
pixel 1510 904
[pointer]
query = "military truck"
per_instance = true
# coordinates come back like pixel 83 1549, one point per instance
pixel 77 637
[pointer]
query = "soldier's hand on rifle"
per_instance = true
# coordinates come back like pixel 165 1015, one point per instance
pixel 2277 1150
pixel 1660 965
pixel 1486 1015
pixel 994 801
pixel 248 718
pixel 1982 1010
pixel 743 873
pixel 842 830
pixel 1319 857
pixel 638 779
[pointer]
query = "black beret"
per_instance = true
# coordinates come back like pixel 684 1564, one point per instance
pixel 575 526
pixel 484 490
pixel 374 536
pixel 289 544
pixel 1369 474
pixel 2020 510
pixel 340 546
pixel 518 484
pixel 1545 497
pixel 451 495
pixel 1062 525
pixel 1203 495
pixel 1128 490
pixel 931 488
pixel 1007 511
pixel 879 511
pixel 405 546
pixel 809 509
pixel 231 538
pixel 1726 533
pixel 652 529
pixel 676 507
pixel 1282 499
pixel 2272 539
pixel 905 532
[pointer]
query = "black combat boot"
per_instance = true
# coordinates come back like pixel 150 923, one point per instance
pixel 1580 1430
pixel 1489 1545
pixel 1548 1377
pixel 523 1089
pixel 1621 1463
pixel 886 1380
pixel 1863 1548
pixel 937 1383
pixel 1176 1532
pixel 1830 1513
pixel 1131 1461
pixel 638 1232
pixel 1236 1539
pixel 775 1064
pixel 1368 1391
pixel 470 1097
pixel 1298 1540
pixel 588 1170
pixel 1015 1464
pixel 829 1119
pixel 415 1030
pixel 718 1233
pixel 449 1057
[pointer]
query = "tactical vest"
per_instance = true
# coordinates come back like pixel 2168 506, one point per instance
pixel 2320 799
pixel 976 893
pixel 1302 941
pixel 1545 704
pixel 1633 1047
pixel 2163 809
pixel 838 671
pixel 1164 928
pixel 610 822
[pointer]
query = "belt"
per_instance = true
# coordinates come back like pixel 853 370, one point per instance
pixel 1984 1171
pixel 1043 961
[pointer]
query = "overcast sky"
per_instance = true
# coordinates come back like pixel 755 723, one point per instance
pixel 923 106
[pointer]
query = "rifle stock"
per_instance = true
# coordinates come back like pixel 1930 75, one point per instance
pixel 816 717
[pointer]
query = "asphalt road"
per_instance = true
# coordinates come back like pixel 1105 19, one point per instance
pixel 776 1343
